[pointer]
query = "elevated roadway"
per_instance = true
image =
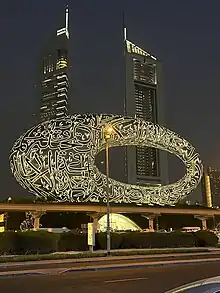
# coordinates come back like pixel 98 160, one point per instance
pixel 51 207
pixel 96 211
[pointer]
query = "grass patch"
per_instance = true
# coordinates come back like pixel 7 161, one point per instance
pixel 39 257
pixel 154 251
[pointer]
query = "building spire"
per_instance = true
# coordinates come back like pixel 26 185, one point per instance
pixel 124 27
pixel 67 18
pixel 65 30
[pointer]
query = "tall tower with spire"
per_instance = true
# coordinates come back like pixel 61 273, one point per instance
pixel 143 99
pixel 54 75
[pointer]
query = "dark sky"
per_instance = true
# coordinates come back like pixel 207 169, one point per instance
pixel 184 35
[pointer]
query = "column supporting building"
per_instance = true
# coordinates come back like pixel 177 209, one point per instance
pixel 203 219
pixel 37 215
pixel 151 218
pixel 95 217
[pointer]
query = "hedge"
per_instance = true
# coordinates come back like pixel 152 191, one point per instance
pixel 145 240
pixel 101 240
pixel 206 238
pixel 28 242
pixel 140 240
pixel 72 242
pixel 43 242
pixel 158 240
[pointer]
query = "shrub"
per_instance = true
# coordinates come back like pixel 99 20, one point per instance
pixel 43 242
pixel 206 238
pixel 135 240
pixel 180 239
pixel 72 242
pixel 28 242
pixel 157 240
pixel 8 243
pixel 40 242
pixel 116 239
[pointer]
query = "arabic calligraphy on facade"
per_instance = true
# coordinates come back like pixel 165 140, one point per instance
pixel 56 159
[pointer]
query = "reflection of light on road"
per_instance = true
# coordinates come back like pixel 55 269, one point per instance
pixel 125 280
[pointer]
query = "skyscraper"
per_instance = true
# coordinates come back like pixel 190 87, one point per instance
pixel 142 100
pixel 211 187
pixel 54 77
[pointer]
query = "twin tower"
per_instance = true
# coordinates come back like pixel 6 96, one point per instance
pixel 143 99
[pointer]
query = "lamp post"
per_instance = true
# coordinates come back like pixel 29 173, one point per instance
pixel 108 132
pixel 214 223
pixel 6 215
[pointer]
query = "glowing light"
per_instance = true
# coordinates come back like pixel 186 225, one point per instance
pixel 108 131
pixel 117 223
pixel 125 33
pixel 2 229
pixel 61 63
pixel 132 48
pixel 56 159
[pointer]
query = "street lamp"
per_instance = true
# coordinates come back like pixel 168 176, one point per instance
pixel 6 215
pixel 108 131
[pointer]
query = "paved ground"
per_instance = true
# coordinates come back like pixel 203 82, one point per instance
pixel 62 265
pixel 80 262
pixel 147 280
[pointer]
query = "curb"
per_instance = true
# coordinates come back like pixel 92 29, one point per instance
pixel 48 272
pixel 107 259
pixel 8 275
pixel 136 266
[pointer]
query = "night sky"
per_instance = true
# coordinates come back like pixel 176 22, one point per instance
pixel 184 35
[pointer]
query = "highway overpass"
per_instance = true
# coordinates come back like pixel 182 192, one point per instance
pixel 96 210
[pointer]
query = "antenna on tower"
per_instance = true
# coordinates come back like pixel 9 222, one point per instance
pixel 67 18
pixel 65 30
pixel 124 27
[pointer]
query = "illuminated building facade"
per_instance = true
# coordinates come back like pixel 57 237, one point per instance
pixel 118 223
pixel 56 160
pixel 54 81
pixel 143 165
pixel 211 187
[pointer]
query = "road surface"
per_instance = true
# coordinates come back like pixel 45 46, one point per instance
pixel 148 280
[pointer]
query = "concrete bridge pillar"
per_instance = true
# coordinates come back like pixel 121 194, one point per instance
pixel 151 218
pixel 203 219
pixel 95 217
pixel 37 215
